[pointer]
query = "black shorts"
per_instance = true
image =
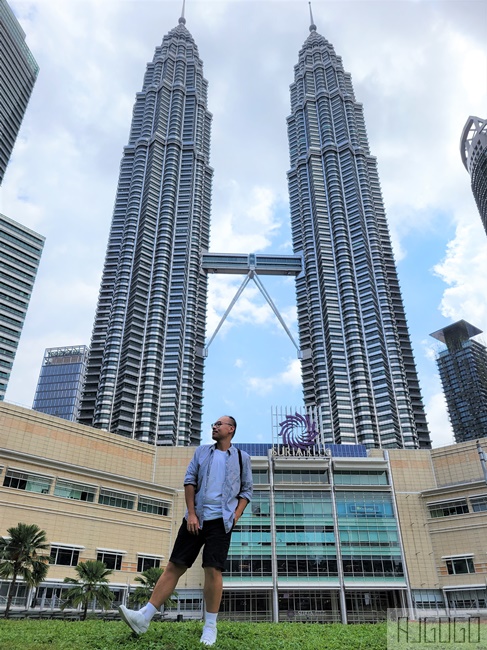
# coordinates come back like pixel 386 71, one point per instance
pixel 212 536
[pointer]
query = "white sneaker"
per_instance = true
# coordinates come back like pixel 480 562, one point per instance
pixel 135 620
pixel 209 635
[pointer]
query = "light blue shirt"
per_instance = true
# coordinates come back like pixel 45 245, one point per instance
pixel 212 507
pixel 234 486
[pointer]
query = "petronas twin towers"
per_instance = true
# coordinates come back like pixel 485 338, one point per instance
pixel 145 373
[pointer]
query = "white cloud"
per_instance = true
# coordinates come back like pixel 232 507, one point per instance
pixel 289 377
pixel 439 424
pixel 464 270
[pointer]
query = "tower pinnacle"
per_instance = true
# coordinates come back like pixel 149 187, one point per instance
pixel 182 20
pixel 312 27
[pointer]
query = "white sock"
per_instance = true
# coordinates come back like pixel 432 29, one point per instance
pixel 210 619
pixel 148 611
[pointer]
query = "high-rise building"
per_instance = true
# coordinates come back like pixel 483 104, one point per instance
pixel 18 75
pixel 20 252
pixel 473 148
pixel 145 371
pixel 61 382
pixel 463 373
pixel 358 365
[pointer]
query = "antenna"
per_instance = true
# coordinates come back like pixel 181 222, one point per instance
pixel 312 27
pixel 182 20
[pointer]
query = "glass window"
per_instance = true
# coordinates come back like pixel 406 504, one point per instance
pixel 27 481
pixel 78 491
pixel 110 559
pixel 479 503
pixel 300 476
pixel 116 499
pixel 448 508
pixel 153 506
pixel 364 504
pixel 145 562
pixel 360 477
pixel 260 476
pixel 64 555
pixel 460 565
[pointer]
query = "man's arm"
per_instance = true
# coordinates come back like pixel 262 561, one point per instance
pixel 190 485
pixel 192 523
pixel 246 490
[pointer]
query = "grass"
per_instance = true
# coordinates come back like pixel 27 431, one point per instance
pixel 115 635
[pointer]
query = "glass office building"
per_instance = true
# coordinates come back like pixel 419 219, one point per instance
pixel 145 371
pixel 20 253
pixel 19 73
pixel 358 364
pixel 61 382
pixel 319 541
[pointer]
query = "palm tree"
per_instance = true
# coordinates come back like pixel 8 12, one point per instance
pixel 148 580
pixel 92 584
pixel 19 556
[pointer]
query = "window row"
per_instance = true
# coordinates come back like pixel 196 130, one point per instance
pixel 63 488
pixel 452 507
pixel 70 556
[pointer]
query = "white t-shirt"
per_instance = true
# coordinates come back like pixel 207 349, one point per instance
pixel 214 486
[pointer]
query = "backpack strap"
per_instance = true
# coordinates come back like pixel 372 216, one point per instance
pixel 241 467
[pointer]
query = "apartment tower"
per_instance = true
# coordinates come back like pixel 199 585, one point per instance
pixel 358 364
pixel 463 374
pixel 145 371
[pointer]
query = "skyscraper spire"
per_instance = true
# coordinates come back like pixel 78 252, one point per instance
pixel 145 373
pixel 312 27
pixel 182 20
pixel 358 366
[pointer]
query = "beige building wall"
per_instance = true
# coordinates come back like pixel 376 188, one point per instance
pixel 459 475
pixel 412 472
pixel 36 443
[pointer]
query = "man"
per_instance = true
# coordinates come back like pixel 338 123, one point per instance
pixel 217 489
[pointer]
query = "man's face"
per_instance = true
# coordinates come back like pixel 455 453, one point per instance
pixel 222 429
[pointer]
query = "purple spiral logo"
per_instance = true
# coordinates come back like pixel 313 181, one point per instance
pixel 298 431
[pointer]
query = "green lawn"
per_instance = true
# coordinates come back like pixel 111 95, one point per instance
pixel 115 635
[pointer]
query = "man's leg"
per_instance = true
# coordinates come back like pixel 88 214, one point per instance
pixel 166 584
pixel 213 589
pixel 212 592
pixel 215 552
pixel 139 621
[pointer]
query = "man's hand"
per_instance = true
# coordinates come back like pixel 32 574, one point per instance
pixel 193 525
pixel 236 517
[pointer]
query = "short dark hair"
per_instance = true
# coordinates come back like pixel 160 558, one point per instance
pixel 233 422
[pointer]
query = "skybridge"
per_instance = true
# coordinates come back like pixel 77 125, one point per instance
pixel 252 265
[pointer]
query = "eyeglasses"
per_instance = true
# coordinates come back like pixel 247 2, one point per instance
pixel 220 424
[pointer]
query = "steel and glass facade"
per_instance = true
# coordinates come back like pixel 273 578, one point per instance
pixel 463 373
pixel 20 253
pixel 358 365
pixel 145 371
pixel 61 382
pixel 18 75
pixel 319 542
pixel 473 149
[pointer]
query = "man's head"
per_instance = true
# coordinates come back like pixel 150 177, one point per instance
pixel 224 427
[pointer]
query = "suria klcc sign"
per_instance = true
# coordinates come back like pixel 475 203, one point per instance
pixel 298 435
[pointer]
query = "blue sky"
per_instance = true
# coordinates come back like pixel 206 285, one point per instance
pixel 420 69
